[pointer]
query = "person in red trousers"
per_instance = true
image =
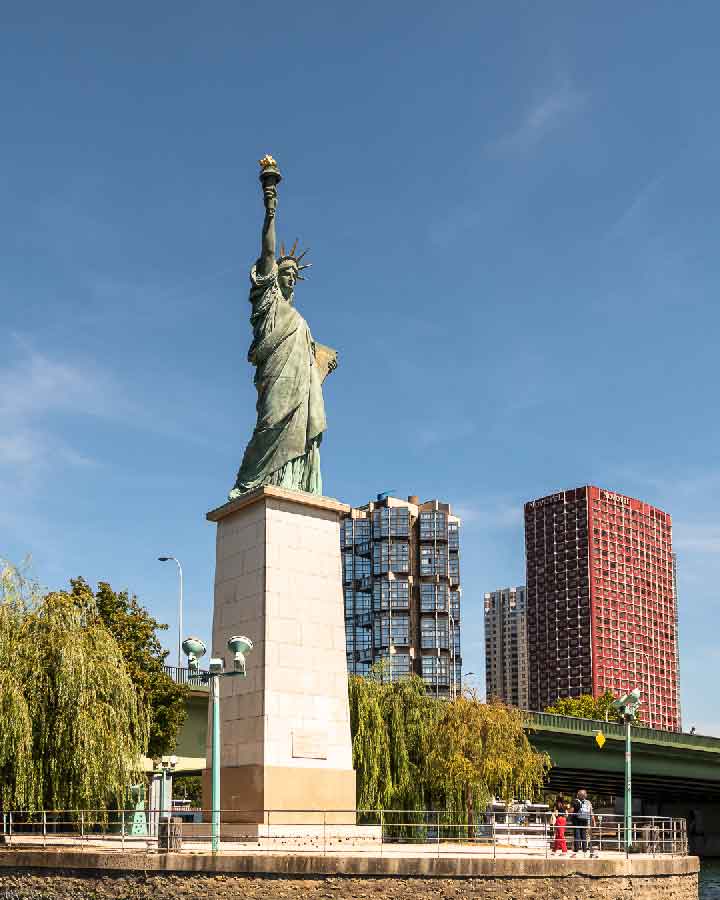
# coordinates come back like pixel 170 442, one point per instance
pixel 560 844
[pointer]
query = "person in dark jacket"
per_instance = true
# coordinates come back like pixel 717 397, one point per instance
pixel 583 818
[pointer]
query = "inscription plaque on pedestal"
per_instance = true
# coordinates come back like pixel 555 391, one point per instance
pixel 309 745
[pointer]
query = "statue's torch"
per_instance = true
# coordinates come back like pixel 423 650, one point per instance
pixel 270 177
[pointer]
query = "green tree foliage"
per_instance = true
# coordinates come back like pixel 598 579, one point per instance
pixel 135 631
pixel 72 727
pixel 412 752
pixel 586 707
pixel 391 724
pixel 481 751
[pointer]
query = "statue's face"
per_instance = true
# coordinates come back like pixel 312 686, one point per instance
pixel 287 276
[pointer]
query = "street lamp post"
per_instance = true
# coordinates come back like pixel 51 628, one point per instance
pixel 215 756
pixel 195 648
pixel 627 706
pixel 180 606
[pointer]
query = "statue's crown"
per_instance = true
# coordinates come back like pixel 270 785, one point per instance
pixel 295 258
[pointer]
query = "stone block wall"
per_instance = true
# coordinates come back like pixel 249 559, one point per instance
pixel 23 884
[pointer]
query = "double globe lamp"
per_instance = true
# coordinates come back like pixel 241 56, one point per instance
pixel 195 649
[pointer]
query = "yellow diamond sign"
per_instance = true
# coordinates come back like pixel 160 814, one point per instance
pixel 600 739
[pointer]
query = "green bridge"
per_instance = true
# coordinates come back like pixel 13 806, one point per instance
pixel 665 764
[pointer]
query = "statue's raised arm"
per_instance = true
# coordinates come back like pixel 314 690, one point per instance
pixel 290 367
pixel 270 177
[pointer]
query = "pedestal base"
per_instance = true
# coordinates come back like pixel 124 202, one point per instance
pixel 285 728
pixel 284 795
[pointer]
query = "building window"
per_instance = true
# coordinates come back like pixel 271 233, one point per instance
pixel 354 531
pixel 363 640
pixel 362 530
pixel 453 536
pixel 455 639
pixel 346 533
pixel 433 561
pixel 434 634
pixel 399 665
pixel 396 593
pixel 436 669
pixel 434 597
pixel 454 566
pixel 393 521
pixel 354 567
pixel 455 604
pixel 433 525
pixel 362 602
pixel 391 556
pixel 400 631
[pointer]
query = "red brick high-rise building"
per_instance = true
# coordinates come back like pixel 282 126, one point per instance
pixel 601 601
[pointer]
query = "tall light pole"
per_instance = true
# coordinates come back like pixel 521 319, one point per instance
pixel 627 706
pixel 238 645
pixel 180 607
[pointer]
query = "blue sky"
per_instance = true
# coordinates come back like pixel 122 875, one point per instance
pixel 513 212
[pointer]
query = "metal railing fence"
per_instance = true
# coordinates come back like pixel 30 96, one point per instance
pixel 378 832
pixel 196 679
pixel 640 732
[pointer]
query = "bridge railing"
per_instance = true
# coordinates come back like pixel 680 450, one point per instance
pixel 577 725
pixel 349 832
pixel 196 679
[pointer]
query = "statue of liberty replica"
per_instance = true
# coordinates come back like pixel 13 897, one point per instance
pixel 284 449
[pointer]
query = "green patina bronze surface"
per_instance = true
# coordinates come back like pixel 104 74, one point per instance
pixel 290 367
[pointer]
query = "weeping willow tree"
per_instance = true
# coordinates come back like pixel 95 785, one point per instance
pixel 413 752
pixel 392 725
pixel 481 751
pixel 16 725
pixel 72 729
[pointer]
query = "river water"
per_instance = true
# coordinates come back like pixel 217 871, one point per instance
pixel 710 879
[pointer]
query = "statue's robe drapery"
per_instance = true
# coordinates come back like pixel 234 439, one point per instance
pixel 284 447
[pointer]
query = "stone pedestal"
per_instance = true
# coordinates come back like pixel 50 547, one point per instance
pixel 285 728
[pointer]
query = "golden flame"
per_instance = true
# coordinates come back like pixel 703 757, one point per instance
pixel 267 161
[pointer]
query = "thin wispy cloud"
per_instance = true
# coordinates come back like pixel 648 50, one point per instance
pixel 35 384
pixel 26 448
pixel 637 208
pixel 35 388
pixel 548 111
